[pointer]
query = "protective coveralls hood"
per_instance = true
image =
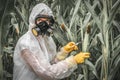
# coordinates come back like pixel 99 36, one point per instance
pixel 42 51
pixel 38 9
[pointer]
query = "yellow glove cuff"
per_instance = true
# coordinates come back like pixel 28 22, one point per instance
pixel 62 54
pixel 71 62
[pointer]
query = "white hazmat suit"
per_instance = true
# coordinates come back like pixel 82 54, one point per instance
pixel 34 57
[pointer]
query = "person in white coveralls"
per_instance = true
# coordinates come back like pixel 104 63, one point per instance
pixel 35 56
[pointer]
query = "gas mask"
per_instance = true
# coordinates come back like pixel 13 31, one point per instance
pixel 43 28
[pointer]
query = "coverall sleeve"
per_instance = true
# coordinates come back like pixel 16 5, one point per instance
pixel 47 71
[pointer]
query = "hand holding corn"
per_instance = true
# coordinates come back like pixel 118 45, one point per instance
pixel 80 57
pixel 71 46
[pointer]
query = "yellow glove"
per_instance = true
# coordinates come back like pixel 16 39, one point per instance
pixel 80 57
pixel 70 47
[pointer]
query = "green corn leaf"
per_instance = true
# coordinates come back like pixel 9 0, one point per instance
pixel 92 68
pixel 100 38
pixel 75 12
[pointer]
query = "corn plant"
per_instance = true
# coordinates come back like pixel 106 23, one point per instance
pixel 72 26
pixel 108 11
pixel 13 24
pixel 102 38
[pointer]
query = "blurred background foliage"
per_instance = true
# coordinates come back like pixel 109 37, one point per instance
pixel 94 23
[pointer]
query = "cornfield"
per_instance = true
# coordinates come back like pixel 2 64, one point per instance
pixel 93 23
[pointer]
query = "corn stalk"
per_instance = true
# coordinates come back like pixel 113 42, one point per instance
pixel 85 49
